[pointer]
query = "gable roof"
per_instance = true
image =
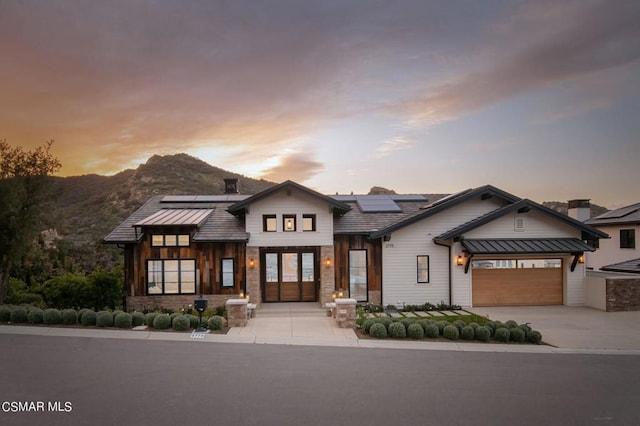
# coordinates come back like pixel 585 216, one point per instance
pixel 240 207
pixel 486 191
pixel 631 266
pixel 519 206
pixel 627 215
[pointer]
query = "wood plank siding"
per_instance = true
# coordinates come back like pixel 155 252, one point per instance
pixel 345 242
pixel 517 287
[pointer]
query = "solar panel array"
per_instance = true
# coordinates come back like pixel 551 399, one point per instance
pixel 615 214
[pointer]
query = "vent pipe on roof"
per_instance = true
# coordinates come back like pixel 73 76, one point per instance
pixel 231 186
pixel 579 209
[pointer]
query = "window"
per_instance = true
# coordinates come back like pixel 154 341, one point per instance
pixel 358 275
pixel 170 240
pixel 269 223
pixel 289 223
pixel 271 267
pixel 227 273
pixel 171 276
pixel 308 222
pixel 423 269
pixel 628 238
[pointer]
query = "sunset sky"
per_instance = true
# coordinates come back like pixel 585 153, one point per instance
pixel 539 98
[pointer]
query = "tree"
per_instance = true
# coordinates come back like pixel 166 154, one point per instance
pixel 25 202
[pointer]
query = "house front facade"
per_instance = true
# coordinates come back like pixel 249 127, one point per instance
pixel 478 247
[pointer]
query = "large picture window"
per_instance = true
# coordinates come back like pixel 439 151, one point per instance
pixel 422 266
pixel 358 275
pixel 170 276
pixel 227 273
pixel 628 238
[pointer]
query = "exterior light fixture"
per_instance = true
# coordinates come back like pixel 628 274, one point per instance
pixel 252 263
pixel 327 261
pixel 289 224
pixel 333 296
pixel 460 260
pixel 340 294
pixel 581 258
pixel 241 295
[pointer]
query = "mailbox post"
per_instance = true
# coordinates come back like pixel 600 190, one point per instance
pixel 200 306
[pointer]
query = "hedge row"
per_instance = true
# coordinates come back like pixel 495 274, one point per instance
pixel 88 317
pixel 417 329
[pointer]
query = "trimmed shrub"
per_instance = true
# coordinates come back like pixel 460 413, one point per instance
pixel 474 325
pixel 137 319
pixel 431 331
pixel 386 321
pixel 499 325
pixel 535 337
pixel 194 321
pixel 415 331
pixel 123 320
pixel 527 331
pixel 116 312
pixel 397 330
pixel 441 325
pixel 491 326
pixel 407 322
pixel 483 333
pixel 502 334
pixel 366 325
pixel 51 316
pixel 88 318
pixel 162 322
pixel 104 319
pixel 149 317
pixel 69 317
pixel 467 333
pixel 511 324
pixel 180 323
pixel 34 316
pixel 378 330
pixel 424 323
pixel 173 315
pixel 5 313
pixel 216 322
pixel 516 334
pixel 451 332
pixel 81 312
pixel 459 325
pixel 18 315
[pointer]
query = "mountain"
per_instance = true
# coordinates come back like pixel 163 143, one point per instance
pixel 562 207
pixel 88 207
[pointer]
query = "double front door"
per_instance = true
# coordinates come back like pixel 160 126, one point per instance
pixel 289 275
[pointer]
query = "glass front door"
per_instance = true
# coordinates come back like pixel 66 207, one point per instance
pixel 289 275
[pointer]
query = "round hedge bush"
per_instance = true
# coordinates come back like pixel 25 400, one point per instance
pixel 459 325
pixel 194 321
pixel 69 317
pixel 149 317
pixel 123 320
pixel 441 325
pixel 511 324
pixel 407 322
pixel 516 334
pixel 502 334
pixel 18 315
pixel 35 316
pixel 81 312
pixel 5 313
pixel 483 333
pixel 180 323
pixel 216 322
pixel 387 322
pixel 88 318
pixel 162 322
pixel 535 337
pixel 424 323
pixel 451 332
pixel 51 316
pixel 137 319
pixel 104 319
pixel 491 326
pixel 431 331
pixel 378 330
pixel 474 325
pixel 366 325
pixel 415 331
pixel 397 330
pixel 467 333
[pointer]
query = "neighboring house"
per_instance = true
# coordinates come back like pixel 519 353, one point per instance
pixel 478 247
pixel 621 252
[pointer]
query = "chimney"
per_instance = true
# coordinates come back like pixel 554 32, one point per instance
pixel 579 209
pixel 231 186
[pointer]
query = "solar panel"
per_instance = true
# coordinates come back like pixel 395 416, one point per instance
pixel 377 204
pixel 622 212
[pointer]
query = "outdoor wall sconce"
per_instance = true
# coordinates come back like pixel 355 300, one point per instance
pixel 327 261
pixel 288 224
pixel 581 258
pixel 241 295
pixel 252 263
pixel 340 294
pixel 460 260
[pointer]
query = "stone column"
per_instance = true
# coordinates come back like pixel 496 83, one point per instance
pixel 236 312
pixel 346 312
pixel 253 275
pixel 327 274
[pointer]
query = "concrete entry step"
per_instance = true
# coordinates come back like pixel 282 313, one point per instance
pixel 291 309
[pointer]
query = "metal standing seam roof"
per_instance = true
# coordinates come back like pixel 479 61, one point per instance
pixel 525 246
pixel 175 217
pixel 630 266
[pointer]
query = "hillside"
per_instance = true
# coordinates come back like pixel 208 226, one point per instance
pixel 562 207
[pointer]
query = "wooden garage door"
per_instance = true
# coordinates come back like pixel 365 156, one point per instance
pixel 517 287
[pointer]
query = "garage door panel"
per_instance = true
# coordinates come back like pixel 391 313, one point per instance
pixel 517 287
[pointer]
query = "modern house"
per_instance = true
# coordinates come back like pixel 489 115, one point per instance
pixel 478 247
pixel 621 253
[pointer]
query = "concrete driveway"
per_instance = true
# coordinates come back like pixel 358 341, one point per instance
pixel 574 327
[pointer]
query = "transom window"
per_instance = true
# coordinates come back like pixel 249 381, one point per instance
pixel 269 223
pixel 628 238
pixel 422 266
pixel 289 222
pixel 171 276
pixel 308 222
pixel 170 240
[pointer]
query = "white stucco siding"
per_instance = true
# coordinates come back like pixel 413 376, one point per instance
pixel 399 258
pixel 281 203
pixel 609 251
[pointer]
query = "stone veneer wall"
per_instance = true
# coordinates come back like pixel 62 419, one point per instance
pixel 140 303
pixel 253 275
pixel 327 274
pixel 623 294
